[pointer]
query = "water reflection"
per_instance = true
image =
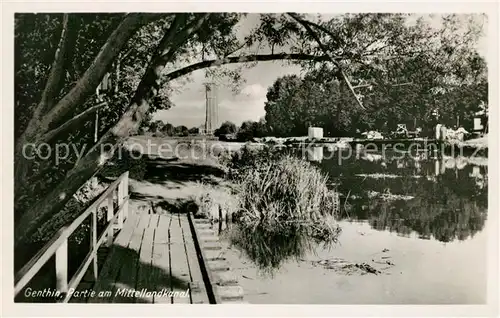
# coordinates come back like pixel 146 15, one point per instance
pixel 269 249
pixel 443 199
pixel 448 195
pixel 315 154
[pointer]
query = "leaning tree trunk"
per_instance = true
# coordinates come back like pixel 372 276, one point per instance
pixel 98 155
pixel 45 114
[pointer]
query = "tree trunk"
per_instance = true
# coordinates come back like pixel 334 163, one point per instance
pixel 40 123
pixel 98 155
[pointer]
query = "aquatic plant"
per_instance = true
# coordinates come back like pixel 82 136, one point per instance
pixel 283 191
pixel 284 206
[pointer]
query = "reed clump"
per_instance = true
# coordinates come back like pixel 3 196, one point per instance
pixel 284 191
pixel 284 205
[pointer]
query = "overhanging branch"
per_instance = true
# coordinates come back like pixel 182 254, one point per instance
pixel 306 25
pixel 244 59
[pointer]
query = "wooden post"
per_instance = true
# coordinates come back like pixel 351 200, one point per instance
pixel 93 246
pixel 125 194
pixel 122 193
pixel 119 224
pixel 220 220
pixel 96 128
pixel 110 214
pixel 62 267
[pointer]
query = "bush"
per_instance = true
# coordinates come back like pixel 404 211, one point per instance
pixel 287 190
pixel 284 205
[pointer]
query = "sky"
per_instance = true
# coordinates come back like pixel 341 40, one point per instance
pixel 248 104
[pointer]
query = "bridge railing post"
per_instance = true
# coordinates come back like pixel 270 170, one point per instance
pixel 119 194
pixel 93 243
pixel 109 216
pixel 125 194
pixel 62 267
pixel 122 194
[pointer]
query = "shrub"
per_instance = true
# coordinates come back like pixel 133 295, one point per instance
pixel 284 206
pixel 286 190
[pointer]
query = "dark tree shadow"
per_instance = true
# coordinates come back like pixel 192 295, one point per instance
pixel 162 170
pixel 178 206
pixel 144 197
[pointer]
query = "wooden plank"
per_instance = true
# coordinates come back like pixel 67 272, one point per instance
pixel 161 259
pixel 178 261
pixel 154 220
pixel 106 281
pixel 144 281
pixel 230 292
pixel 211 291
pixel 127 277
pixel 144 221
pixel 196 286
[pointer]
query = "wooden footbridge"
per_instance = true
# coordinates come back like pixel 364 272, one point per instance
pixel 137 258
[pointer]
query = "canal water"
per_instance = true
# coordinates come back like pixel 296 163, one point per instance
pixel 413 232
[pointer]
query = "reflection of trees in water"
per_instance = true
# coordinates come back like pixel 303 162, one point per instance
pixel 460 219
pixel 450 201
pixel 447 206
pixel 450 206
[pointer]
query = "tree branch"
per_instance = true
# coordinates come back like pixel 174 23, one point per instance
pixel 54 132
pixel 52 87
pixel 84 88
pixel 337 41
pixel 95 72
pixel 306 25
pixel 244 59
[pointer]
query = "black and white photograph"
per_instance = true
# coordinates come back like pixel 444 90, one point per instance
pixel 249 158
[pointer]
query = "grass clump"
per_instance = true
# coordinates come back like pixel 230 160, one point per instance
pixel 284 205
pixel 283 191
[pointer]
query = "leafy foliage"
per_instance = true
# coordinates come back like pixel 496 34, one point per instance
pixel 403 73
pixel 226 128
